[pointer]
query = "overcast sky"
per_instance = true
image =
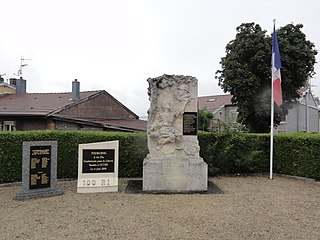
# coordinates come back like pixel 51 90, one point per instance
pixel 117 45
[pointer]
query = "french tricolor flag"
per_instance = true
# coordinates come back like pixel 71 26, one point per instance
pixel 276 65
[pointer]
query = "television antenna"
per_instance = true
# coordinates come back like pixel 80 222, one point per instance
pixel 1 78
pixel 22 64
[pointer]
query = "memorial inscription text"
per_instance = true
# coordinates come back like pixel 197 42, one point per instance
pixel 98 161
pixel 190 123
pixel 40 167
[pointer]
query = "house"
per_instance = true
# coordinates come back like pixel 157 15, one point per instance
pixel 90 110
pixel 303 117
pixel 6 88
pixel 223 110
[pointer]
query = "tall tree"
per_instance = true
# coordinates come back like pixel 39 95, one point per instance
pixel 246 71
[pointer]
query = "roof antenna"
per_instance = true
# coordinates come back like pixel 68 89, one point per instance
pixel 1 78
pixel 22 64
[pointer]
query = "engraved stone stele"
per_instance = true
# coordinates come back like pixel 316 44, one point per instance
pixel 39 170
pixel 98 167
pixel 173 164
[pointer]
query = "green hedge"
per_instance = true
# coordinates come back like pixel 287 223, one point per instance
pixel 230 153
pixel 298 154
pixel 225 153
pixel 132 150
pixel 294 154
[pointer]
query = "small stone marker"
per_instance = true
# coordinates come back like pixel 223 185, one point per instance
pixel 39 170
pixel 98 167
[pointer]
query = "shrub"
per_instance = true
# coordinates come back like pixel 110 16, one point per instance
pixel 229 153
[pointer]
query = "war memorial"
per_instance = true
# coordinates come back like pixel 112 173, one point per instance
pixel 173 163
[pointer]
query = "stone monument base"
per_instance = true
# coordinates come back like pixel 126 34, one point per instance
pixel 38 194
pixel 175 175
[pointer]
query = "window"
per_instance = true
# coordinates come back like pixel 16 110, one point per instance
pixel 283 116
pixel 8 126
pixel 233 116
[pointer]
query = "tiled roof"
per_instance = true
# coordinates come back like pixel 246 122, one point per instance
pixel 116 124
pixel 6 85
pixel 47 104
pixel 214 102
pixel 37 103
pixel 130 124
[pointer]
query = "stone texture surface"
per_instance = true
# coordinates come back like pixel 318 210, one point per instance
pixel 179 174
pixel 171 96
pixel 173 163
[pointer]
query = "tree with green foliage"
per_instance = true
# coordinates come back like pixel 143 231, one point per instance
pixel 204 120
pixel 246 72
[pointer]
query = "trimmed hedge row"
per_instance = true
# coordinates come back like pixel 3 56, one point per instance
pixel 230 153
pixel 132 150
pixel 225 153
pixel 298 154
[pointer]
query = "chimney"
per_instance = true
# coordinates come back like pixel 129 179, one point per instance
pixel 75 90
pixel 19 84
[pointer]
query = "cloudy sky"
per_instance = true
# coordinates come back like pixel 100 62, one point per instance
pixel 116 45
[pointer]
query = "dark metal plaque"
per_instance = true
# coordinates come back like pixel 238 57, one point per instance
pixel 190 123
pixel 40 167
pixel 98 161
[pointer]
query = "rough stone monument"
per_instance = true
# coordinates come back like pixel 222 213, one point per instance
pixel 173 163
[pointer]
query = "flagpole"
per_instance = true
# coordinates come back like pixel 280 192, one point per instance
pixel 272 116
pixel 271 130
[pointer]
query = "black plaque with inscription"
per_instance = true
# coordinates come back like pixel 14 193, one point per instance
pixel 98 160
pixel 190 123
pixel 40 167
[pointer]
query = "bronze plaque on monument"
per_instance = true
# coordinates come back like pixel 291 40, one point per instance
pixel 40 167
pixel 98 161
pixel 190 123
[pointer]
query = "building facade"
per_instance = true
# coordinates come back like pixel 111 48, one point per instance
pixel 87 111
pixel 224 112
pixel 304 116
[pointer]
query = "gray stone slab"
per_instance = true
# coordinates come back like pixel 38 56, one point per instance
pixel 39 170
pixel 178 174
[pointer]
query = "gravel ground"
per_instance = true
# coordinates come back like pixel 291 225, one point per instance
pixel 249 208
